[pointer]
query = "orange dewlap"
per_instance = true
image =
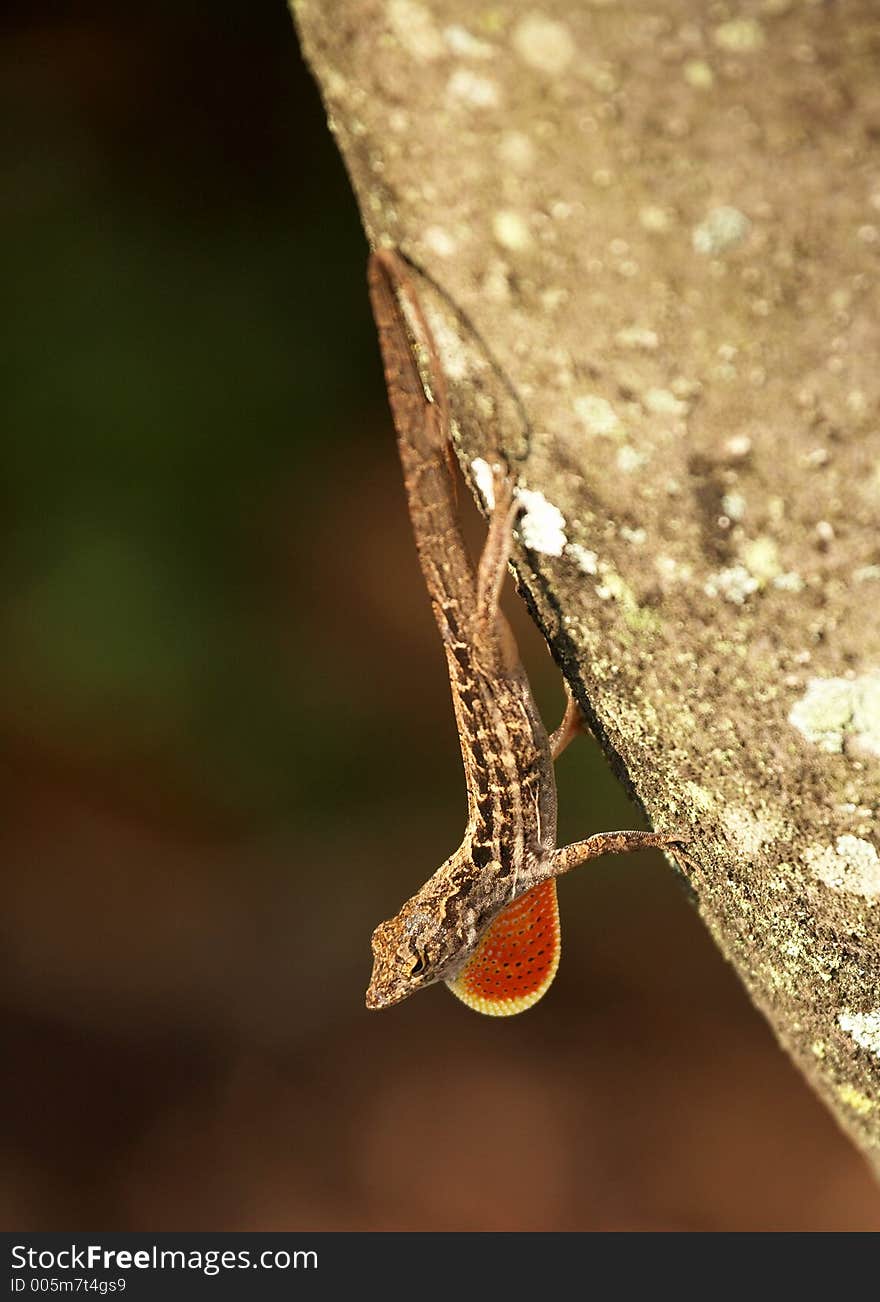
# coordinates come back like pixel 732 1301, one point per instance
pixel 516 960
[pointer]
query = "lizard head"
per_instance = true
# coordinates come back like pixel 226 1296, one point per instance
pixel 432 935
pixel 427 941
pixel 408 953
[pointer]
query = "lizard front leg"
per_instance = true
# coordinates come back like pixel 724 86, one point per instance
pixel 572 856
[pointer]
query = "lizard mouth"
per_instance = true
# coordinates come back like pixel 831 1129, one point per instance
pixel 381 996
pixel 373 1000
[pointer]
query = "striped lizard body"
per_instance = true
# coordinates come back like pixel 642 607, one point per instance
pixel 486 923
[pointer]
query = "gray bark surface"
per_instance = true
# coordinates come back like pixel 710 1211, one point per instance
pixel 656 229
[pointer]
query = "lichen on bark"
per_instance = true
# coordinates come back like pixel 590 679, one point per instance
pixel 652 240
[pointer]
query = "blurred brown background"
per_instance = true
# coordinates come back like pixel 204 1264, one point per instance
pixel 228 741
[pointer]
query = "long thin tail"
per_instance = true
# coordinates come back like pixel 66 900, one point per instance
pixel 422 438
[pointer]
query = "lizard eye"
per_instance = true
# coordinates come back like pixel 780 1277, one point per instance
pixel 419 966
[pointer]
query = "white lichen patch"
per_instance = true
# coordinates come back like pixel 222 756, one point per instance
pixel 451 350
pixel 855 1099
pixel 789 581
pixel 856 403
pixel 583 558
pixel 824 712
pixel 722 228
pixel 597 415
pixel 663 402
pixel 851 864
pixel 415 29
pixel 484 406
pixel 761 558
pixel 838 713
pixel 864 1029
pixel 335 85
pixel 698 73
pixel 554 297
pixel 630 459
pixel 816 457
pixel 544 44
pixel 734 584
pixel 637 337
pixel 654 218
pixel 561 210
pixel 699 797
pixel 464 44
pixel 511 230
pixel 473 90
pixel 439 241
pixel 615 588
pixel 739 36
pixel 484 480
pixel 738 446
pixel 733 505
pixel 864 738
pixel 516 151
pixel 542 525
pixel 496 281
pixel 748 832
pixel 672 570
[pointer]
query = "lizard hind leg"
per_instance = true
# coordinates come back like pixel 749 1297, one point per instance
pixel 496 550
pixel 516 959
pixel 491 624
pixel 572 725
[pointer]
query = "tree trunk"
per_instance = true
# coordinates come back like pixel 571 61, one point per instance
pixel 652 241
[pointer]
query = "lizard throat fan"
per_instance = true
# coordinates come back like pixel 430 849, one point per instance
pixel 516 960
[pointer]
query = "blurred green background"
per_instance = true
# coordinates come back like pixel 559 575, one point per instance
pixel 228 742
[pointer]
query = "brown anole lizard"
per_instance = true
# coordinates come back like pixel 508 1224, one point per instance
pixel 487 921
